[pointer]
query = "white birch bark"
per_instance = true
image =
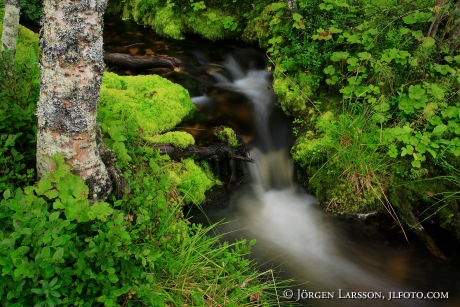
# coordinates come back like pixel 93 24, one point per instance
pixel 10 25
pixel 72 67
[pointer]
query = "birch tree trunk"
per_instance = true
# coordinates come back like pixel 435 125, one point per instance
pixel 10 25
pixel 71 74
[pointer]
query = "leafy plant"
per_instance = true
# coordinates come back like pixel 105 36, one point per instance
pixel 32 10
pixel 374 90
pixel 59 249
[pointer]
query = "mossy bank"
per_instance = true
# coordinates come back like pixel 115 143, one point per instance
pixel 373 91
pixel 58 249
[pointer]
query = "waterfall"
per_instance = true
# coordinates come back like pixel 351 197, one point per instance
pixel 321 252
pixel 283 218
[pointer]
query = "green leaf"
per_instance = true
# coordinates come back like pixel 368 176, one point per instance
pixel 406 104
pixel 433 153
pixel 404 31
pixel 329 70
pixel 428 42
pixel 416 92
pixel 58 254
pixel 408 150
pixel 339 56
pixel 43 186
pixel 51 194
pixel 326 7
pixel 53 282
pixel 77 210
pixel 417 17
pixel 436 91
pixel 353 63
pixel 100 210
pixel 37 291
pixel 117 133
pixel 439 130
pixel 6 194
pixel 443 69
pixel 72 186
pixel 416 163
pixel 54 216
pixel 46 253
pixel 297 16
pixel 353 38
pixel 365 56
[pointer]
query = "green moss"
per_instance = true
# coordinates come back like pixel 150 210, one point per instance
pixel 211 24
pixel 347 197
pixel 192 180
pixel 291 97
pixel 147 105
pixel 227 135
pixel 177 19
pixel 346 169
pixel 177 138
pixel 167 22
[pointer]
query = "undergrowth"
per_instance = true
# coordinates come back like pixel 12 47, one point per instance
pixel 19 90
pixel 374 92
pixel 58 249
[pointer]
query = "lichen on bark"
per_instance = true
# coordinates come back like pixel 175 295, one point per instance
pixel 10 25
pixel 72 67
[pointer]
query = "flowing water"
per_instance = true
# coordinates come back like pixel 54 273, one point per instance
pixel 290 229
pixel 333 261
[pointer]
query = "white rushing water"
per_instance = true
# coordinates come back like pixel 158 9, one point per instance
pixel 289 227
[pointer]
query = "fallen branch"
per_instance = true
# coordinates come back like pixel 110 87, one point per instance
pixel 126 61
pixel 217 152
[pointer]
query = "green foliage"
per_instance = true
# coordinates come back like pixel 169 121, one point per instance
pixel 44 230
pixel 32 10
pixel 14 164
pixel 216 20
pixel 192 181
pixel 177 138
pixel 19 90
pixel 227 135
pixel 343 157
pixel 136 109
pixel 58 249
pixel 391 115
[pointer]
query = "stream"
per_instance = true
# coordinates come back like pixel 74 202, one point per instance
pixel 332 261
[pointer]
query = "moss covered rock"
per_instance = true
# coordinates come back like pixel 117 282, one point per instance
pixel 227 135
pixel 148 105
pixel 177 138
pixel 192 180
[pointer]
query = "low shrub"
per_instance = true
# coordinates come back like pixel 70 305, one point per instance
pixel 57 249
